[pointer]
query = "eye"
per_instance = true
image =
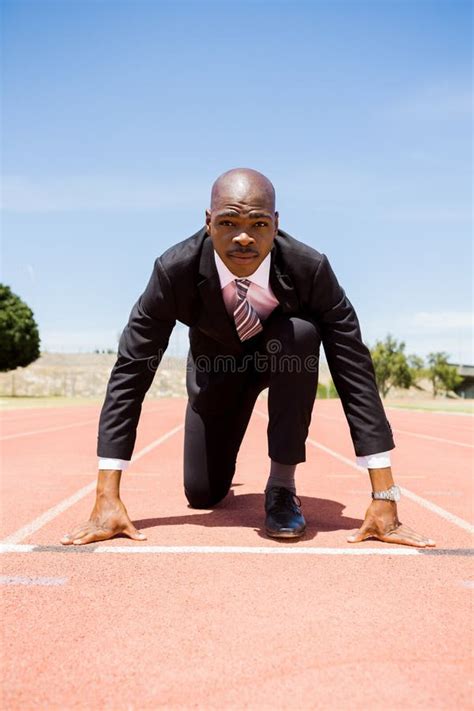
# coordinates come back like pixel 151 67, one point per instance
pixel 261 224
pixel 226 222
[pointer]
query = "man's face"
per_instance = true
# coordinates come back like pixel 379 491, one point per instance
pixel 242 231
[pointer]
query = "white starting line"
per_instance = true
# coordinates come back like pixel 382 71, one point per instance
pixel 239 550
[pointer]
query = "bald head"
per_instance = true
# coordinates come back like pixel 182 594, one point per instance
pixel 242 221
pixel 243 184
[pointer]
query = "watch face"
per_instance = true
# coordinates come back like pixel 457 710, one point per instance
pixel 396 493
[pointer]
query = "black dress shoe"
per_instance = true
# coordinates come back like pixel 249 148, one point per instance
pixel 284 518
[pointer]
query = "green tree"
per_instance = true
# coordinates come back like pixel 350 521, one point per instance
pixel 444 377
pixel 417 368
pixel 19 336
pixel 390 365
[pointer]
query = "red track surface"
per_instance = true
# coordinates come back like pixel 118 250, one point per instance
pixel 327 629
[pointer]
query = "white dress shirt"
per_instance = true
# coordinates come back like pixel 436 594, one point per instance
pixel 263 300
pixel 259 293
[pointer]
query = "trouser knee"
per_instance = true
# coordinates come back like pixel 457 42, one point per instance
pixel 305 336
pixel 293 335
pixel 204 499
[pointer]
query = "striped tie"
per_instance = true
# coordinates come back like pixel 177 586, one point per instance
pixel 246 318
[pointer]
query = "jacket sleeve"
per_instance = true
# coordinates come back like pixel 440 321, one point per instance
pixel 140 350
pixel 350 363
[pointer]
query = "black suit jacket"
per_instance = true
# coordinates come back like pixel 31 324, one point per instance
pixel 184 286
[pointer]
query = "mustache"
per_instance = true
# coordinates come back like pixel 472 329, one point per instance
pixel 243 251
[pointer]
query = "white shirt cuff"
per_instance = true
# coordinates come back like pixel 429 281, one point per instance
pixel 105 463
pixel 374 461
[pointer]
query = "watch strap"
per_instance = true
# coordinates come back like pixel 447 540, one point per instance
pixel 391 494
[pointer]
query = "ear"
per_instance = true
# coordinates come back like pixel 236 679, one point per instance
pixel 276 221
pixel 208 221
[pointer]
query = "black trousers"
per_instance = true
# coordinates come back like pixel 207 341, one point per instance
pixel 284 357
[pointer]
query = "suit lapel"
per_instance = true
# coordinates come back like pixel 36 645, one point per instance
pixel 280 282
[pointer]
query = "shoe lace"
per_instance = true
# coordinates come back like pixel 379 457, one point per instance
pixel 286 497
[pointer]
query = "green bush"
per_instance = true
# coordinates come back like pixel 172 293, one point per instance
pixel 19 336
pixel 326 391
pixel 322 391
pixel 332 390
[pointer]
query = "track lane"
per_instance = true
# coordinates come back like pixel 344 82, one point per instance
pixel 42 470
pixel 237 633
pixel 431 469
pixel 234 631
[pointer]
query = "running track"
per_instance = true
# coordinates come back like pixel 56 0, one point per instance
pixel 208 613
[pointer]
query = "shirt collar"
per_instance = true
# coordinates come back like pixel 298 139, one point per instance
pixel 259 277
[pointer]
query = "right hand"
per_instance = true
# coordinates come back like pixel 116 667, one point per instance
pixel 109 517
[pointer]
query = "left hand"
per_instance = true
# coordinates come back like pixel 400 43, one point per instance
pixel 381 521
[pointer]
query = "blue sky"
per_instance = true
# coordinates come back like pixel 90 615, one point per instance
pixel 118 116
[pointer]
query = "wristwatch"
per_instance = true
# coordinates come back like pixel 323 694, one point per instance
pixel 392 494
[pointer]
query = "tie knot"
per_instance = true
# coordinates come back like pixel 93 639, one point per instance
pixel 242 286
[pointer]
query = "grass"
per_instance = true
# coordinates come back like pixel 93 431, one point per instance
pixel 464 406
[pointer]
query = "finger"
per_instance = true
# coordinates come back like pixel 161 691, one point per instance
pixel 76 532
pixel 418 536
pixel 98 534
pixel 134 533
pixel 407 539
pixel 409 533
pixel 360 535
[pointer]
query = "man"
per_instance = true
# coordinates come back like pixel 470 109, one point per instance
pixel 258 304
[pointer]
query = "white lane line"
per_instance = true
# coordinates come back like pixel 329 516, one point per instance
pixel 30 413
pixel 42 520
pixel 435 439
pixel 30 580
pixel 427 411
pixel 447 492
pixel 434 508
pixel 336 455
pixel 48 429
pixel 65 427
pixel 452 518
pixel 48 516
pixel 411 434
pixel 245 550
